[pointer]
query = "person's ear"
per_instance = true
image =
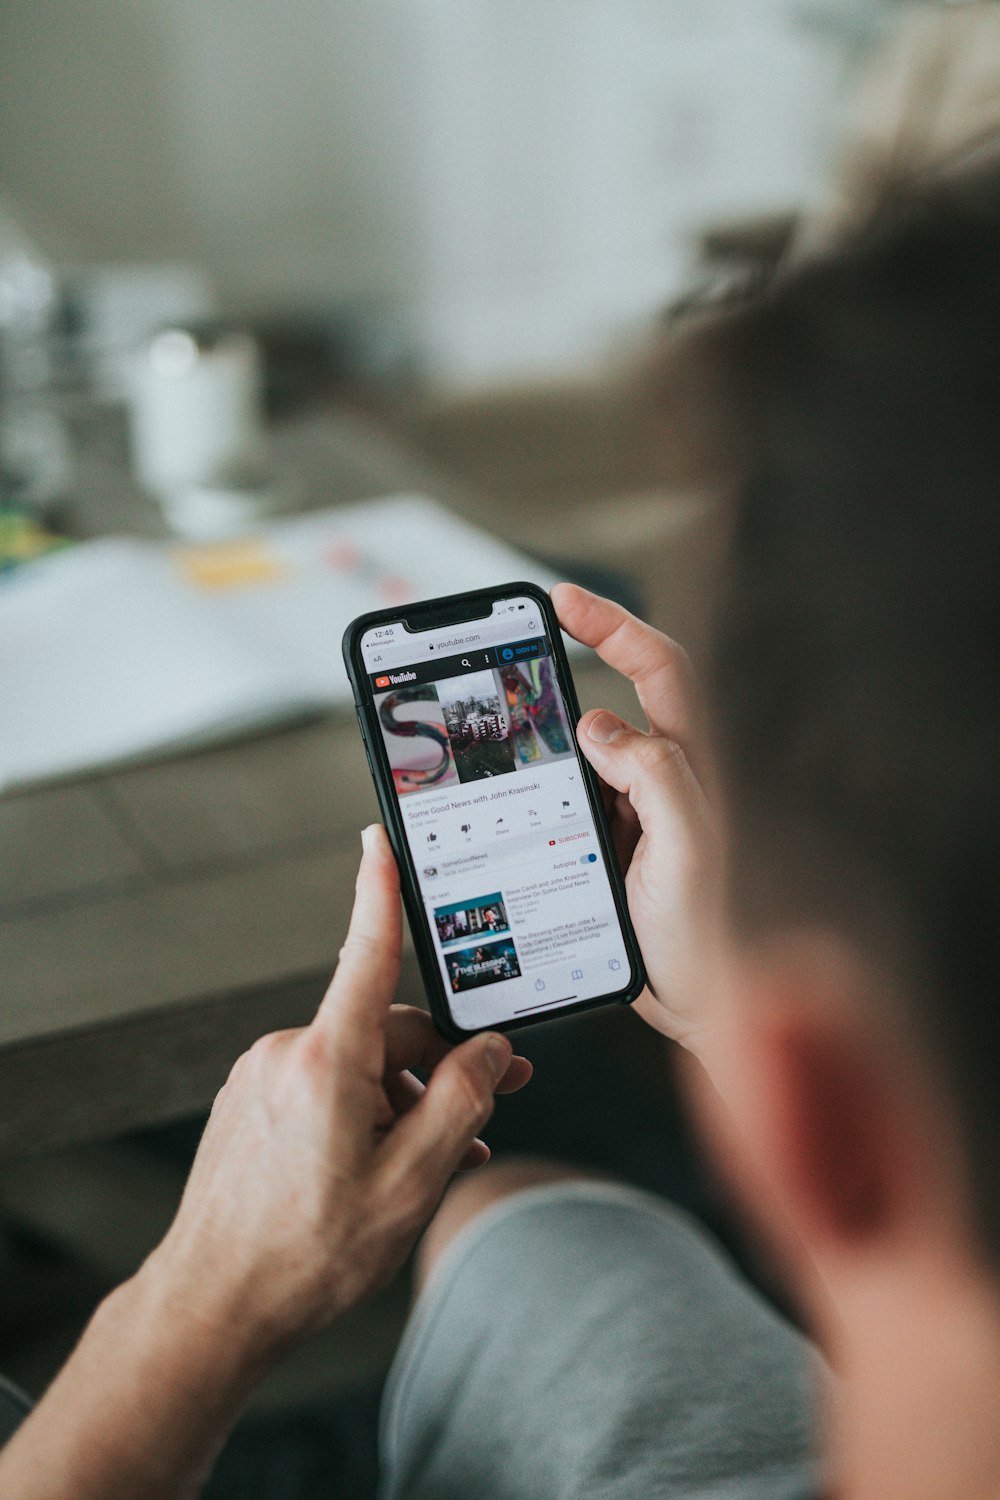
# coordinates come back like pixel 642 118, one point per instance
pixel 830 1111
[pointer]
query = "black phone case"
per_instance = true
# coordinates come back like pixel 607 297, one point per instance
pixel 378 763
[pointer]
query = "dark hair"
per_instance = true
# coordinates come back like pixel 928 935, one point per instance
pixel 857 652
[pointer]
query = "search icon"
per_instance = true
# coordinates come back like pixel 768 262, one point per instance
pixel 466 662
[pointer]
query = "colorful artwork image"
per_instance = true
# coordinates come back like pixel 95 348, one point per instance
pixel 484 916
pixel 527 747
pixel 487 963
pixel 416 739
pixel 477 726
pixel 538 723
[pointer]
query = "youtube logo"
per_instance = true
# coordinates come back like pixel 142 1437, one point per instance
pixel 381 682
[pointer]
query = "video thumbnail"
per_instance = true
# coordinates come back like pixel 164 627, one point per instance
pixel 488 963
pixel 483 916
pixel 538 724
pixel 477 725
pixel 416 739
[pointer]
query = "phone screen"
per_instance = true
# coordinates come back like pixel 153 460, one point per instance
pixel 497 815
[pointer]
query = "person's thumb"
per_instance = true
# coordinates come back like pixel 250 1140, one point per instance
pixel 650 770
pixel 427 1145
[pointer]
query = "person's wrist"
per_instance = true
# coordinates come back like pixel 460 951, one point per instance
pixel 192 1325
pixel 145 1402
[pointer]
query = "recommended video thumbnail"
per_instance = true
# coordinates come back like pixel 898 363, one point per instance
pixel 483 916
pixel 487 963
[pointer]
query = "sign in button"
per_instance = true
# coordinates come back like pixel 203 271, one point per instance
pixel 520 651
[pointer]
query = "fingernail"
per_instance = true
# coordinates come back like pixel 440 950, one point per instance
pixel 606 727
pixel 368 837
pixel 498 1055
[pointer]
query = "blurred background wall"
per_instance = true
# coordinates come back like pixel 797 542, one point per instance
pixel 482 187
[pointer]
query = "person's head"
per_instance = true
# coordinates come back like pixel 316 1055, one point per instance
pixel 857 713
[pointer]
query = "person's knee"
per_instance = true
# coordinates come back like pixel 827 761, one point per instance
pixel 471 1195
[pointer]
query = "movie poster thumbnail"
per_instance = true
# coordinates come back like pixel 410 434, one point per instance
pixel 487 963
pixel 464 921
pixel 538 724
pixel 416 739
pixel 476 720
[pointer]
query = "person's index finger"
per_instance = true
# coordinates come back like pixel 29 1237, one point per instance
pixel 354 1009
pixel 658 668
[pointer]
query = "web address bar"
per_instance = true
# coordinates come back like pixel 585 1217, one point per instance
pixel 452 641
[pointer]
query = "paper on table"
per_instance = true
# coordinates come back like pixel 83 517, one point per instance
pixel 120 648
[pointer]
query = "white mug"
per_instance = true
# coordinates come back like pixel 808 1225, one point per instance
pixel 195 410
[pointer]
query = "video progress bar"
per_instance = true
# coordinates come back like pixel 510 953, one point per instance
pixel 544 1006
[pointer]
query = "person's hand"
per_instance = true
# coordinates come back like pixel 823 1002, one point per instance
pixel 322 1160
pixel 664 833
pixel 324 1156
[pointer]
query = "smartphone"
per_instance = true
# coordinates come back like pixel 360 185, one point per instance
pixel 509 878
